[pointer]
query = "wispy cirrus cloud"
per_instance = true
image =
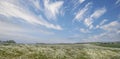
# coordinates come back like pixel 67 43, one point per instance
pixel 52 9
pixel 36 4
pixel 88 21
pixel 118 2
pixel 10 9
pixel 95 15
pixel 111 27
pixel 101 23
pixel 81 1
pixel 81 13
pixel 98 13
pixel 111 33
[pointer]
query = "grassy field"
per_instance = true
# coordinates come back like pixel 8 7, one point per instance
pixel 113 44
pixel 57 51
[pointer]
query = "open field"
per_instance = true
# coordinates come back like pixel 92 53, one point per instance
pixel 113 44
pixel 57 51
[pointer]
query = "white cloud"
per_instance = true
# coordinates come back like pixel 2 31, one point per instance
pixel 52 9
pixel 88 21
pixel 118 2
pixel 104 37
pixel 76 4
pixel 81 1
pixel 111 27
pixel 95 15
pixel 10 9
pixel 101 23
pixel 36 3
pixel 82 12
pixel 111 33
pixel 98 13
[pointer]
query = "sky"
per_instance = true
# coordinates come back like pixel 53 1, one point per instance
pixel 60 21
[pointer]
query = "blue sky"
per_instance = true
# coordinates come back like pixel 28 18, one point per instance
pixel 60 21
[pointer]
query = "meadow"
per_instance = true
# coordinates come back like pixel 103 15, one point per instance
pixel 58 51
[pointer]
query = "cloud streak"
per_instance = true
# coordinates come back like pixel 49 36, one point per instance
pixel 9 9
pixel 81 13
pixel 95 15
pixel 101 23
pixel 52 8
pixel 81 1
pixel 118 2
pixel 98 13
pixel 112 33
pixel 111 27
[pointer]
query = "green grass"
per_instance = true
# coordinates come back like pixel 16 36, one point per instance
pixel 113 45
pixel 57 51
